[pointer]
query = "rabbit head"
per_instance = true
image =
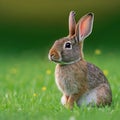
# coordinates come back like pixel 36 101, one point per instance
pixel 68 50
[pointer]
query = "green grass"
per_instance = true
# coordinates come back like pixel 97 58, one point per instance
pixel 28 89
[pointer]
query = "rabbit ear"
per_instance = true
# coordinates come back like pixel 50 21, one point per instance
pixel 84 26
pixel 72 23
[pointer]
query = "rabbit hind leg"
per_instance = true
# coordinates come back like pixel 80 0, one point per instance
pixel 64 99
pixel 104 95
pixel 88 98
pixel 99 96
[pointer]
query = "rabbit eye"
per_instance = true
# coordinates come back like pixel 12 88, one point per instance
pixel 68 45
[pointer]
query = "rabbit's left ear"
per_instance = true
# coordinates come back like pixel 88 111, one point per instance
pixel 84 26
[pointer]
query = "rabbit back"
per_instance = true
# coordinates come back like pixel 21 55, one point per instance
pixel 95 76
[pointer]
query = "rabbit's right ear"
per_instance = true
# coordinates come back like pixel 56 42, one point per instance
pixel 72 23
pixel 84 26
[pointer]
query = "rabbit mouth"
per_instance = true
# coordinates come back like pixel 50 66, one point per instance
pixel 54 58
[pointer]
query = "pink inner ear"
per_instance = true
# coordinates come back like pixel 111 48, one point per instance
pixel 85 26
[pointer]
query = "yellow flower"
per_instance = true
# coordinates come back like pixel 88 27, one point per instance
pixel 35 95
pixel 105 72
pixel 44 88
pixel 97 52
pixel 48 72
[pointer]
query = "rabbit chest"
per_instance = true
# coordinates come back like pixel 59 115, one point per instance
pixel 71 79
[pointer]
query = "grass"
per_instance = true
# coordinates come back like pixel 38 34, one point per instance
pixel 27 85
pixel 28 89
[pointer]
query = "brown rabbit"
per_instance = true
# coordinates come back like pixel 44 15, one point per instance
pixel 78 80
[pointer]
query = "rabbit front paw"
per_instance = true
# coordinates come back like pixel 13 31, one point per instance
pixel 64 100
pixel 67 101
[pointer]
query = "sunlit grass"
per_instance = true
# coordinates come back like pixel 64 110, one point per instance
pixel 28 89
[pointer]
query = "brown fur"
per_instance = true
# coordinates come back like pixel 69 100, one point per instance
pixel 72 81
pixel 104 95
pixel 81 50
pixel 77 79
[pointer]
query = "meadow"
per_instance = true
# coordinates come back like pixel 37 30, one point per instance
pixel 27 31
pixel 28 89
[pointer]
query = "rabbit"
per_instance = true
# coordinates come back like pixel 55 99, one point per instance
pixel 80 82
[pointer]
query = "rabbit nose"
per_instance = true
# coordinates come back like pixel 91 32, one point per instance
pixel 54 56
pixel 51 55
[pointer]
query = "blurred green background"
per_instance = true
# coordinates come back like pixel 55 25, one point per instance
pixel 33 25
pixel 28 29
